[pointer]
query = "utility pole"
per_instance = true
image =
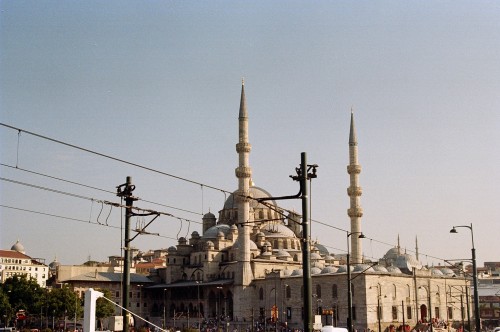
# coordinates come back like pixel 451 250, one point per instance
pixel 302 176
pixel 125 191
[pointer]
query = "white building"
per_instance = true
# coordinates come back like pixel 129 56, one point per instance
pixel 15 262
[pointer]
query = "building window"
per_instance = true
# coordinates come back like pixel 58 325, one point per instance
pixel 117 294
pixel 288 292
pixel 394 312
pixel 353 313
pixel 408 312
pixel 335 293
pixel 261 294
pixel 289 313
pixel 318 291
pixel 436 312
pixel 450 313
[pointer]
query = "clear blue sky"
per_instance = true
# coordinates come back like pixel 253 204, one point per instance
pixel 158 83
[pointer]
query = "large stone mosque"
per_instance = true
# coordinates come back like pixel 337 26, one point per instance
pixel 246 267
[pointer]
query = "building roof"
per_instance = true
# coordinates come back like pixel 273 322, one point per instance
pixel 13 254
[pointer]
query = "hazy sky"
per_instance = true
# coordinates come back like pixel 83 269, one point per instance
pixel 157 83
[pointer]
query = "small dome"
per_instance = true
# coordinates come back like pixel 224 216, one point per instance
pixel 315 270
pixel 234 228
pixel 380 268
pixel 286 272
pixel 18 247
pixel 209 245
pixel 236 245
pixel 329 269
pixel 448 272
pixel 220 234
pixel 329 258
pixel 195 234
pixel 436 272
pixel 282 253
pixel 212 232
pixel 182 240
pixel 343 269
pixel 209 215
pixel 172 249
pixel 53 266
pixel 297 272
pixel 363 268
pixel 260 234
pixel 315 256
pixel 393 270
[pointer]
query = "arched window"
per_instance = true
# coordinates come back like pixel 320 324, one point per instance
pixel 288 292
pixel 394 294
pixel 261 294
pixel 318 291
pixel 335 292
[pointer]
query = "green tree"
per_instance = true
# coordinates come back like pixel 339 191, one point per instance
pixel 23 293
pixel 104 308
pixel 6 311
pixel 64 302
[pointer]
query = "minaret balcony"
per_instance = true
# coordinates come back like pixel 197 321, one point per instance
pixel 243 172
pixel 243 147
pixel 354 191
pixel 355 212
pixel 353 169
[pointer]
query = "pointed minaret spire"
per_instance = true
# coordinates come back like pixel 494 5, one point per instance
pixel 416 247
pixel 355 212
pixel 243 270
pixel 399 246
pixel 352 132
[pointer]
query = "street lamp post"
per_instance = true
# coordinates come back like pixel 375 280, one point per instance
pixel 477 317
pixel 199 305
pixel 349 290
pixel 164 316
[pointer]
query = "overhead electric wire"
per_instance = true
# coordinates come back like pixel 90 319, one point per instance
pixel 111 157
pixel 73 219
pixel 94 200
pixel 91 187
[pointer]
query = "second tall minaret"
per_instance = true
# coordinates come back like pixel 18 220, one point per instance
pixel 354 191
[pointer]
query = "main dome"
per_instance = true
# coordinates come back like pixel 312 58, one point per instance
pixel 255 192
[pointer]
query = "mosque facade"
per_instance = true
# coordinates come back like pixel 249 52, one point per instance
pixel 245 268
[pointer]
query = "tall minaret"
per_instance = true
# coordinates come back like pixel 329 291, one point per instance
pixel 243 272
pixel 354 191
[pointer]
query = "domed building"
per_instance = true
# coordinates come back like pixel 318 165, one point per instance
pixel 246 266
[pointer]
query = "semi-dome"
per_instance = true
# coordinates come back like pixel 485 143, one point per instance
pixel 255 192
pixel 315 270
pixel 322 249
pixel 407 262
pixel 18 247
pixel 213 231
